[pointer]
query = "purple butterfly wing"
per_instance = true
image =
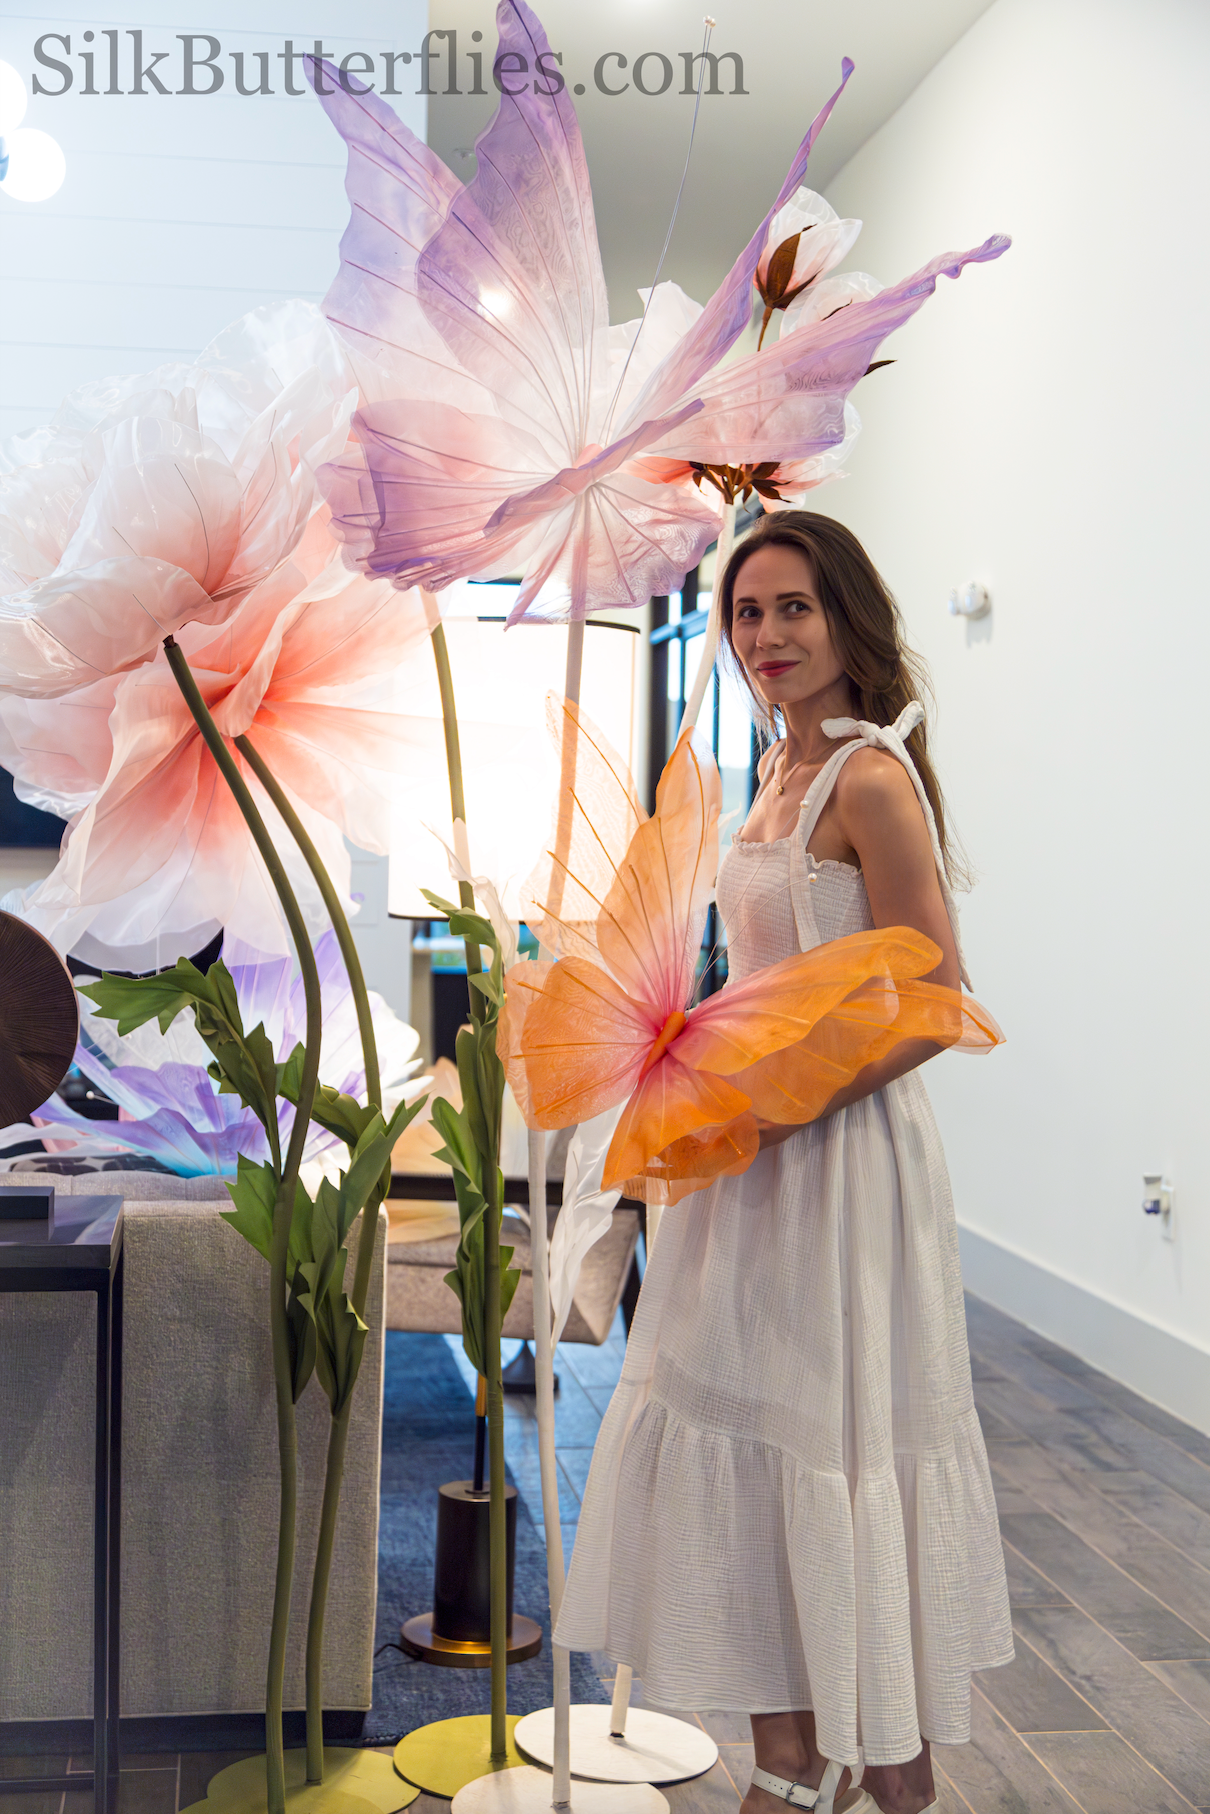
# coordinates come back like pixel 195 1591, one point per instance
pixel 727 313
pixel 399 193
pixel 513 278
pixel 787 402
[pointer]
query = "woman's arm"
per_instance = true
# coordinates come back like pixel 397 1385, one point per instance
pixel 880 817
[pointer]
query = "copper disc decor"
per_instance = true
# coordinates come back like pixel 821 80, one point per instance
pixel 39 1019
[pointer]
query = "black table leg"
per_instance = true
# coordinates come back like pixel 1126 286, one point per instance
pixel 102 1538
pixel 114 1669
pixel 93 1261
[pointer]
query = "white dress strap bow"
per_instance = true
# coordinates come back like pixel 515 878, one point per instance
pixel 856 732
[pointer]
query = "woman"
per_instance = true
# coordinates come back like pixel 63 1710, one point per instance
pixel 789 1511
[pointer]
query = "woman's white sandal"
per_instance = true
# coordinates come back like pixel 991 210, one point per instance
pixel 819 1801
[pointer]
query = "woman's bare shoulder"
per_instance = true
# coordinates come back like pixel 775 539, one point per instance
pixel 875 774
pixel 874 789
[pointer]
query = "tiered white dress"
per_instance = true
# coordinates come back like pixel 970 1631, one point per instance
pixel 789 1505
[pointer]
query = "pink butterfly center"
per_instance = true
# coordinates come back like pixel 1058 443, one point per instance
pixel 667 1033
pixel 579 477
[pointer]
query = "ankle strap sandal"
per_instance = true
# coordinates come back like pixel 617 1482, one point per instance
pixel 821 1800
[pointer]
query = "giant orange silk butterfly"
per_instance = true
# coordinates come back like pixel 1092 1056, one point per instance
pixel 614 1020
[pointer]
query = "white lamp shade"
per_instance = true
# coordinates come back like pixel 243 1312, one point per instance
pixel 36 165
pixel 510 769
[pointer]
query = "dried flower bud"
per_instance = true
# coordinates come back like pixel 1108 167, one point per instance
pixel 806 238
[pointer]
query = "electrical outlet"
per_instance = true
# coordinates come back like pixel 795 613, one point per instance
pixel 1157 1201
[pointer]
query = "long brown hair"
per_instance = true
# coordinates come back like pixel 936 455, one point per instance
pixel 867 634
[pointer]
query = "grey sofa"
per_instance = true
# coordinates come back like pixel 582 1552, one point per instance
pixel 199 1477
pixel 419 1298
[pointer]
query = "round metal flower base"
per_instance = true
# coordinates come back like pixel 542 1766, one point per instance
pixel 420 1640
pixel 656 1747
pixel 444 1757
pixel 355 1782
pixel 528 1791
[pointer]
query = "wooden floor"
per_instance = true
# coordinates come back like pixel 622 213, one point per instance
pixel 1105 1510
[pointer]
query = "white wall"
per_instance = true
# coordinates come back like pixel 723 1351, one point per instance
pixel 179 212
pixel 1044 431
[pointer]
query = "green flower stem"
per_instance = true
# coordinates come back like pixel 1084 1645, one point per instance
pixel 283 1211
pixel 338 1436
pixel 497 1509
pixel 339 1433
pixel 497 1512
pixel 357 984
pixel 453 762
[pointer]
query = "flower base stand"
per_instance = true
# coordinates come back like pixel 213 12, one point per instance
pixel 653 1748
pixel 442 1758
pixel 355 1782
pixel 528 1791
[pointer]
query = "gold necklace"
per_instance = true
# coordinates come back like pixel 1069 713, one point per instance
pixel 780 786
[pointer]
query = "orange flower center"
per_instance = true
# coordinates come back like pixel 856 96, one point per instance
pixel 667 1033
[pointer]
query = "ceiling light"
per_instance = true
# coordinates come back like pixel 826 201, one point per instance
pixel 32 165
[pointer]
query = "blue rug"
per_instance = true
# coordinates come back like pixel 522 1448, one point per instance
pixel 427 1438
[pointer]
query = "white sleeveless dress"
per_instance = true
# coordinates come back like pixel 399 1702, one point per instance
pixel 789 1504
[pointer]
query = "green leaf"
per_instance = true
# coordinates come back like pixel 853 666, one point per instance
pixel 248 1063
pixel 245 1062
pixel 466 1282
pixel 402 1117
pixel 464 922
pixel 489 984
pixel 371 1156
pixel 337 1113
pixel 466 1051
pixel 348 1340
pixel 134 1000
pixel 510 1278
pixel 474 926
pixel 326 1250
pixel 300 1227
pixel 289 1075
pixel 443 907
pixel 459 1151
pixel 304 1346
pixel 340 1333
pixel 254 1194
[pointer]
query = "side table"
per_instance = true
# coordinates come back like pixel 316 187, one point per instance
pixel 79 1248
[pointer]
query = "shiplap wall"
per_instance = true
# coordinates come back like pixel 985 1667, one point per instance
pixel 179 212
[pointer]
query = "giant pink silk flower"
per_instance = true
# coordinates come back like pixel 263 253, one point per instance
pixel 158 849
pixel 494 434
pixel 163 498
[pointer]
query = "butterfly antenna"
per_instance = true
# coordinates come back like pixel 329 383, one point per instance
pixel 701 79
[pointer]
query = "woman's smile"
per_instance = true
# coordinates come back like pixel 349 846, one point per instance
pixel 780 630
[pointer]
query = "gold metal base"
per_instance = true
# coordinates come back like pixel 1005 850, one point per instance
pixel 420 1640
pixel 444 1757
pixel 355 1782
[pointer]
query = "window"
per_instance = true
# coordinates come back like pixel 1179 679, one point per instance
pixel 678 623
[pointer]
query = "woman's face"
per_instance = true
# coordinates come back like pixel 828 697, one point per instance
pixel 780 629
